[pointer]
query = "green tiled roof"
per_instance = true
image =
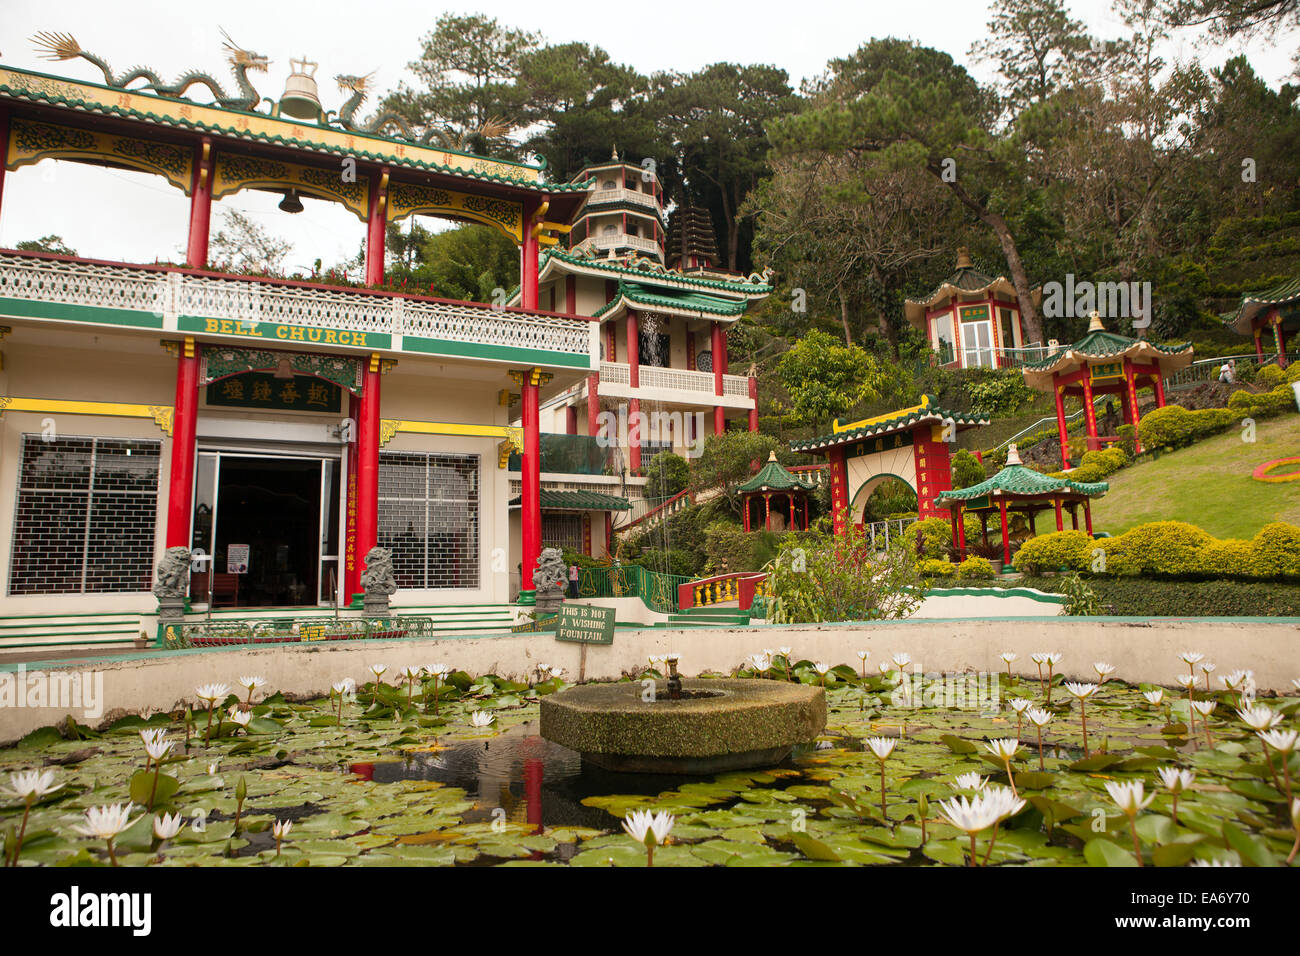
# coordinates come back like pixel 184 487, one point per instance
pixel 1284 293
pixel 773 477
pixel 1103 344
pixel 674 299
pixel 1019 480
pixel 925 412
pixel 580 501
pixel 650 275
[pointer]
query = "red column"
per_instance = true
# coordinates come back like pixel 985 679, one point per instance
pixel 351 562
pixel 1087 516
pixel 719 345
pixel 593 404
pixel 1131 402
pixel 753 412
pixel 1006 541
pixel 1089 413
pixel 530 511
pixel 1259 339
pixel 839 490
pixel 952 520
pixel 180 485
pixel 745 505
pixel 376 225
pixel 1060 521
pixel 1060 424
pixel 1160 387
pixel 571 294
pixel 196 247
pixel 634 435
pixel 767 512
pixel 633 352
pixel 367 465
pixel 1281 343
pixel 1074 517
pixel 528 263
pixel 961 527
pixel 806 523
pixel 571 420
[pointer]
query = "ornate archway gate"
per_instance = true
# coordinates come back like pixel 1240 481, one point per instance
pixel 912 445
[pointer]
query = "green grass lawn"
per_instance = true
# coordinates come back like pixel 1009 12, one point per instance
pixel 1208 484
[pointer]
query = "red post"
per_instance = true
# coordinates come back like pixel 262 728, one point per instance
pixel 1131 401
pixel 1060 520
pixel 530 511
pixel 753 412
pixel 718 345
pixel 1281 342
pixel 571 294
pixel 528 262
pixel 634 435
pixel 961 527
pixel 952 520
pixel 1061 427
pixel 571 420
pixel 1074 517
pixel 593 404
pixel 1006 540
pixel 1259 344
pixel 180 485
pixel 376 226
pixel 1089 413
pixel 351 562
pixel 1160 387
pixel 633 352
pixel 1087 515
pixel 806 523
pixel 745 505
pixel 196 247
pixel 367 466
pixel 839 490
pixel 767 512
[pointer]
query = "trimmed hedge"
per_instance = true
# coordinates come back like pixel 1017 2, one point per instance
pixel 1167 549
pixel 1096 465
pixel 936 568
pixel 1141 597
pixel 936 537
pixel 974 568
pixel 1174 426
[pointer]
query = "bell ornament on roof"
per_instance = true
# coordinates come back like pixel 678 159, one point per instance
pixel 1013 455
pixel 301 99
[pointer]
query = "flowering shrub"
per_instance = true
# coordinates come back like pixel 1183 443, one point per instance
pixel 1168 548
pixel 1275 551
pixel 935 534
pixel 1052 552
pixel 974 567
pixel 935 568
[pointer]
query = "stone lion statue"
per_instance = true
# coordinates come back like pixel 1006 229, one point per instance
pixel 172 577
pixel 378 577
pixel 551 572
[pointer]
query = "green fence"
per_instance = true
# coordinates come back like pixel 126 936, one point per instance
pixel 656 589
pixel 226 633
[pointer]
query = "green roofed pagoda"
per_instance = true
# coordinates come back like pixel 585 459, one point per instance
pixel 1276 308
pixel 1104 363
pixel 774 480
pixel 1017 488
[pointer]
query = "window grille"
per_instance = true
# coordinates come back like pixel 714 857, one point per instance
pixel 85 517
pixel 562 531
pixel 429 517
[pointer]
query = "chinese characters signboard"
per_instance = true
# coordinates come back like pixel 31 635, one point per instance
pixel 302 393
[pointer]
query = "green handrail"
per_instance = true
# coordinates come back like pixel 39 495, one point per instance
pixel 655 588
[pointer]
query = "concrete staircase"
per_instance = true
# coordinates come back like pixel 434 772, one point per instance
pixel 713 616
pixel 35 631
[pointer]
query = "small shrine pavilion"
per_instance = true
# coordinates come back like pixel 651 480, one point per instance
pixel 1104 363
pixel 1276 308
pixel 1017 488
pixel 773 480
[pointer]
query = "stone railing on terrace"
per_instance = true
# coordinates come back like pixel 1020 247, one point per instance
pixel 161 296
pixel 678 379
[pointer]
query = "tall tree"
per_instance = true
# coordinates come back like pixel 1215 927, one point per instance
pixel 1036 47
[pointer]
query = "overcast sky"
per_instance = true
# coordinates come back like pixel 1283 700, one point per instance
pixel 144 219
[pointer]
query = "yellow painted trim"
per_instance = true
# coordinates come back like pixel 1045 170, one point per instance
pixel 81 145
pixel 160 414
pixel 235 173
pixel 838 428
pixel 455 428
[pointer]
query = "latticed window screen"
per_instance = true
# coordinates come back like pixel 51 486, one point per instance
pixel 562 531
pixel 86 513
pixel 429 517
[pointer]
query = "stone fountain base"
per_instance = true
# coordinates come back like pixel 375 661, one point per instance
pixel 720 725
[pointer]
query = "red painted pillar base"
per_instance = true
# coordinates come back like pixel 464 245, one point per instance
pixel 180 484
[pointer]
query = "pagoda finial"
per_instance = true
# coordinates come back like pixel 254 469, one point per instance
pixel 771 456
pixel 963 258
pixel 1094 322
pixel 1013 455
pixel 613 152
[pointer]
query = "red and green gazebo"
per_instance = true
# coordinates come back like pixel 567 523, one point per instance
pixel 1276 308
pixel 1104 363
pixel 773 480
pixel 1017 488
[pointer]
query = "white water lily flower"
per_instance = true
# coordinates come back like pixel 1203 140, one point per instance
pixel 1205 707
pixel 241 717
pixel 280 828
pixel 785 651
pixel 157 748
pixel 152 735
pixel 821 667
pixel 1259 717
pixel 1208 666
pixel 657 659
pixel 1236 679
pixel 1128 796
pixel 1154 697
pixel 251 684
pixel 481 718
pixel 882 747
pixel 642 824
pixel 1176 779
pixel 1295 682
pixel 166 826
pixel 1081 691
pixel 1283 741
pixel 1002 802
pixel 970 781
pixel 557 672
pixel 863 655
pixel 1192 657
pixel 901 660
pixel 1005 748
pixel 106 822
pixel 31 785
pixel 674 656
pixel 379 670
pixel 1021 704
pixel 1039 717
pixel 1103 669
pixel 438 670
pixel 211 693
pixel 1053 658
pixel 970 816
pixel 410 672
pixel 1010 657
pixel 342 686
pixel 884 667
pixel 1039 658
pixel 760 662
pixel 1186 681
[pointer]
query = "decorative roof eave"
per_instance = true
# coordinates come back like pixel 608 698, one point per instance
pixel 773 476
pixel 666 305
pixel 1285 293
pixel 234 124
pixel 1017 481
pixel 577 501
pixel 653 274
pixel 925 413
pixel 915 309
pixel 1169 358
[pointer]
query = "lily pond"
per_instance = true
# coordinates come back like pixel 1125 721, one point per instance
pixel 403 773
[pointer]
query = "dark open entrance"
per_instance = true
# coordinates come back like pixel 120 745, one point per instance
pixel 271 505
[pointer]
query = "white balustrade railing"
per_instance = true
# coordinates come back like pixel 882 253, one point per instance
pixel 620 241
pixel 623 195
pixel 171 293
pixel 678 379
